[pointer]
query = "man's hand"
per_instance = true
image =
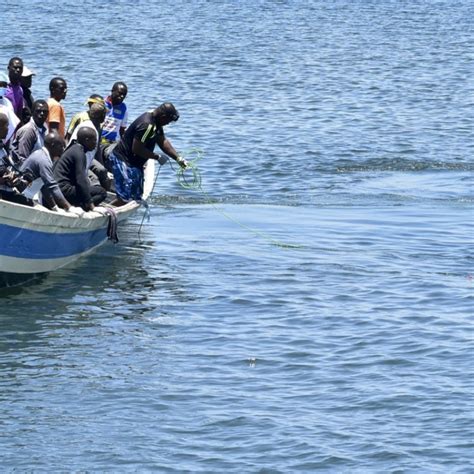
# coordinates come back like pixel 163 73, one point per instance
pixel 78 211
pixel 182 162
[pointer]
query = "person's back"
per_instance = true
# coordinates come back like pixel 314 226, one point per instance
pixel 75 122
pixel 144 129
pixel 81 117
pixel 70 171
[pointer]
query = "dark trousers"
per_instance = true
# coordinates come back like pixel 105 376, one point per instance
pixel 98 194
pixel 16 198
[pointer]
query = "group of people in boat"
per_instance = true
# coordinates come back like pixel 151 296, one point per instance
pixel 73 168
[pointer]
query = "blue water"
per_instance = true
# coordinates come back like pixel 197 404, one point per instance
pixel 311 308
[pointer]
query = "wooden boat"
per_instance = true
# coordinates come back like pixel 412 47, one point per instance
pixel 35 240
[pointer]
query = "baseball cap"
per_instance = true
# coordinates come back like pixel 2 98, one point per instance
pixel 27 72
pixel 95 99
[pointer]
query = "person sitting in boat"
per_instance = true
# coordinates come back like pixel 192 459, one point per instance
pixel 10 178
pixel 84 115
pixel 39 166
pixel 70 172
pixel 57 117
pixel 14 90
pixel 6 107
pixel 137 146
pixel 97 172
pixel 117 116
pixel 26 82
pixel 4 124
pixel 30 137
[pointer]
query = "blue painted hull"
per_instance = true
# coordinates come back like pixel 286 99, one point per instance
pixel 34 240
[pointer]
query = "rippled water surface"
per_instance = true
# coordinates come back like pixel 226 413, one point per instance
pixel 311 307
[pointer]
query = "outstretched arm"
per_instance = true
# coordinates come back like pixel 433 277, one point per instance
pixel 168 148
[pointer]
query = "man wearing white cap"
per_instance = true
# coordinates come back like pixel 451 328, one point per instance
pixel 6 108
pixel 26 81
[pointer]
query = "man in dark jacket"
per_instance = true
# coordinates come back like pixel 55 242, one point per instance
pixel 30 137
pixel 70 172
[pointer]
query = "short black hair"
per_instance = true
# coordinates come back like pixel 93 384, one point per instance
pixel 168 110
pixel 16 58
pixel 118 84
pixel 54 82
pixel 52 138
pixel 38 102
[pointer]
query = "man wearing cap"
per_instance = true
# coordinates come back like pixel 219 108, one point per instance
pixel 14 90
pixel 6 108
pixel 117 116
pixel 26 81
pixel 84 115
pixel 57 117
pixel 97 173
pixel 137 146
pixel 30 137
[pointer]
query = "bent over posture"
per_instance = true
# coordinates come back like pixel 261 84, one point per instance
pixel 137 146
pixel 39 166
pixel 70 172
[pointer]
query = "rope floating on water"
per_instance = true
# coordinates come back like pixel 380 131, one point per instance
pixel 190 178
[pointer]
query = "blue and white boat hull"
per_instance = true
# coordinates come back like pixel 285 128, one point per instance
pixel 36 240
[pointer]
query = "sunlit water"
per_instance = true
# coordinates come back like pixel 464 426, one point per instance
pixel 311 306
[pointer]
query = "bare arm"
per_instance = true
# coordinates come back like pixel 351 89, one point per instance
pixel 167 147
pixel 139 149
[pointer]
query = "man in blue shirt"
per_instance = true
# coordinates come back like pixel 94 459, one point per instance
pixel 116 119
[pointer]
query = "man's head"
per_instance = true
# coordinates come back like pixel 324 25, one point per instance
pixel 97 113
pixel 55 144
pixel 118 93
pixel 26 77
pixel 165 114
pixel 87 137
pixel 40 112
pixel 58 88
pixel 15 70
pixel 3 126
pixel 95 99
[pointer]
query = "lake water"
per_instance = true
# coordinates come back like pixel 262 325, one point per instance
pixel 310 308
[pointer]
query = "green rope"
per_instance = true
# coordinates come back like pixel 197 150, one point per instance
pixel 190 178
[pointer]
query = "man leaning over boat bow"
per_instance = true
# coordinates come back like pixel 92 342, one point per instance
pixel 136 147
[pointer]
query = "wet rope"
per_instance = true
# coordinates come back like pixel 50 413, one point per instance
pixel 112 225
pixel 190 178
